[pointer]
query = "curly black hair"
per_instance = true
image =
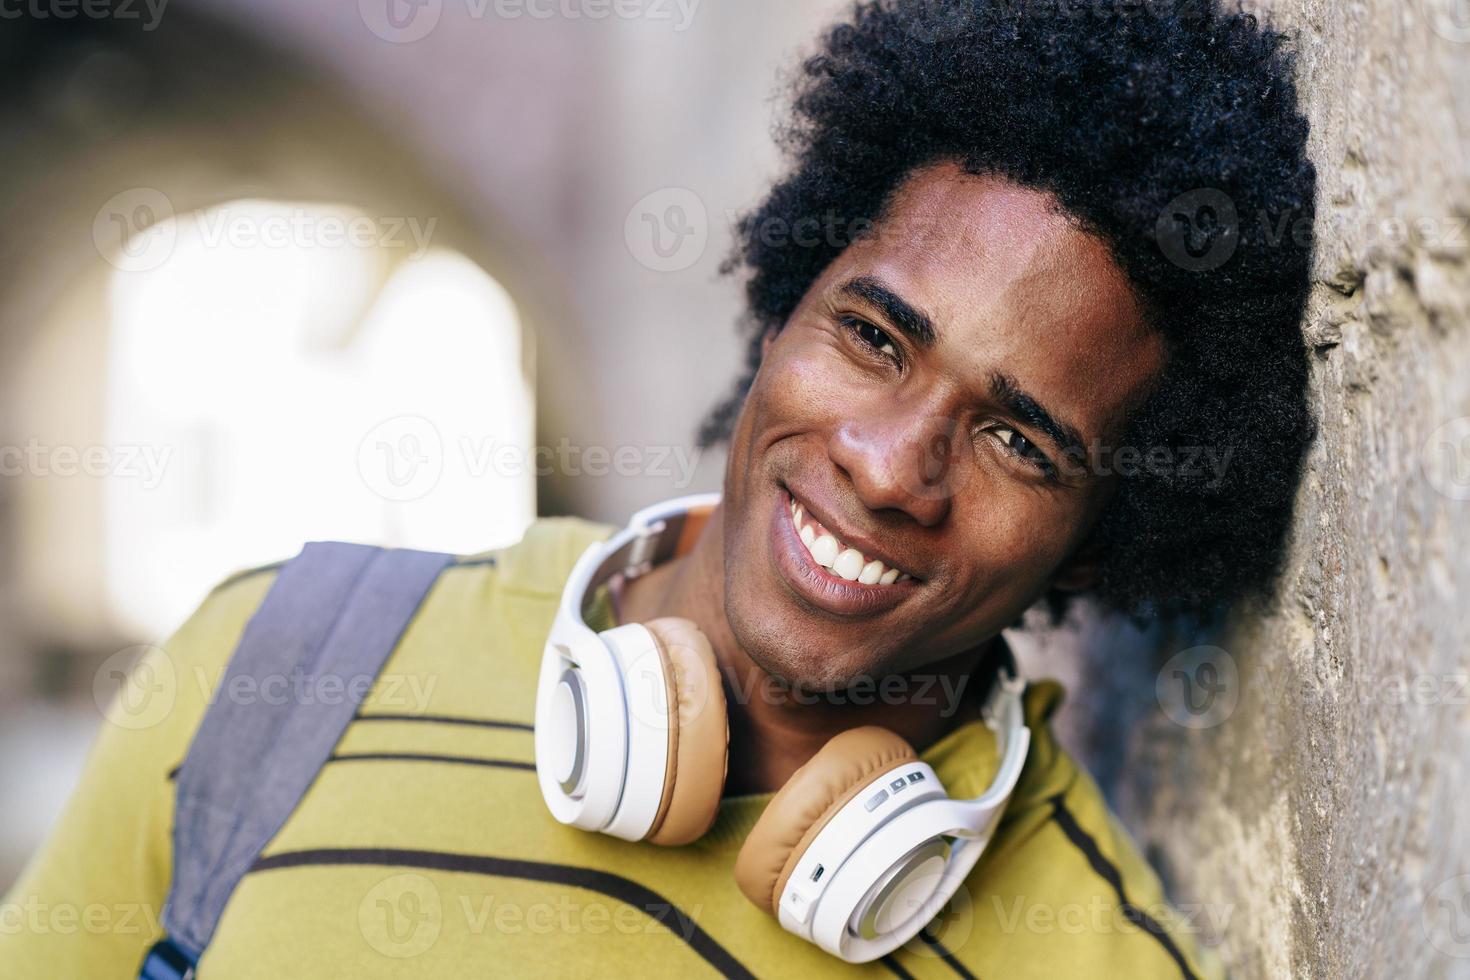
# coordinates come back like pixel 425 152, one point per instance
pixel 1170 131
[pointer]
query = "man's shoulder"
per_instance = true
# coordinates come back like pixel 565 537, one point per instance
pixel 502 598
pixel 536 565
pixel 540 562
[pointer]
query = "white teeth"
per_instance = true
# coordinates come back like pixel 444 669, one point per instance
pixel 849 565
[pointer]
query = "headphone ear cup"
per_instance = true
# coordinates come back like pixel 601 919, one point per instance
pixel 699 733
pixel 810 798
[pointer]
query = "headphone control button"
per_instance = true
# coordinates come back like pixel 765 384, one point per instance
pixel 569 731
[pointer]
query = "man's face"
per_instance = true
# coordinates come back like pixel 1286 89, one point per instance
pixel 928 405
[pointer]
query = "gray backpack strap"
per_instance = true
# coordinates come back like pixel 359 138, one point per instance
pixel 336 610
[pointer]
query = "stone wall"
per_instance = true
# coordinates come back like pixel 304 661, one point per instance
pixel 1300 774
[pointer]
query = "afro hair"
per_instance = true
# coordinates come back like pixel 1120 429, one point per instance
pixel 1170 131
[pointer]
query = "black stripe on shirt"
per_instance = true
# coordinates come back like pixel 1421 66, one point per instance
pixel 896 968
pixel 463 760
pixel 1085 843
pixel 447 720
pixel 944 954
pixel 614 886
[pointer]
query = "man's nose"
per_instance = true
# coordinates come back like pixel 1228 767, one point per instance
pixel 904 460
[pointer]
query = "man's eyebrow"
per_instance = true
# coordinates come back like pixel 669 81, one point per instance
pixel 1029 410
pixel 902 314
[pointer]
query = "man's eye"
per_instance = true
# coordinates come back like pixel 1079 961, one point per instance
pixel 871 336
pixel 1023 448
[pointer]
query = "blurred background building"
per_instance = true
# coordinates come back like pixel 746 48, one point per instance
pixel 414 271
pixel 276 271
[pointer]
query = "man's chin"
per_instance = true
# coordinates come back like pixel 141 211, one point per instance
pixel 811 676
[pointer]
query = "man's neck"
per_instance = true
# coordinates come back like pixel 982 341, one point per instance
pixel 772 732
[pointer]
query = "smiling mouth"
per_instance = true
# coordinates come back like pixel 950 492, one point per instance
pixel 830 552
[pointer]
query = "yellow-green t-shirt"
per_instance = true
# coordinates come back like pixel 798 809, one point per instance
pixel 423 848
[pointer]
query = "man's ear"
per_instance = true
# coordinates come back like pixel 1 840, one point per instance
pixel 767 339
pixel 1083 569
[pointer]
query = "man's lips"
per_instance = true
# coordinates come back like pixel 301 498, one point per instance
pixel 867 547
pixel 817 585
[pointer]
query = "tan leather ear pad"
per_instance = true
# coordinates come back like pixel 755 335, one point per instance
pixel 809 799
pixel 699 737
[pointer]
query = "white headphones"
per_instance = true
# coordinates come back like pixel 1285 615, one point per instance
pixel 632 738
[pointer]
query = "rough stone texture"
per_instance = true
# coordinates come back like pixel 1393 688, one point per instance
pixel 1316 825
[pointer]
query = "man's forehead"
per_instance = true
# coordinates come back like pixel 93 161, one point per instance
pixel 943 214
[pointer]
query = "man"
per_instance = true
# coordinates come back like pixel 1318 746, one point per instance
pixel 1048 236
